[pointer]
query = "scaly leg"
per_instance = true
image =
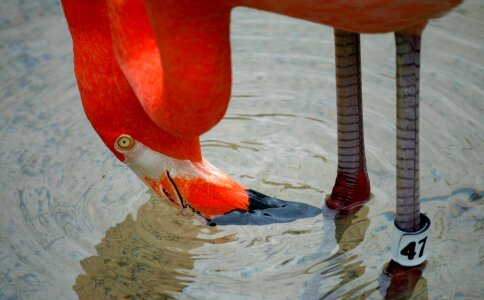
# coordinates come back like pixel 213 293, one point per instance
pixel 352 186
pixel 408 73
pixel 404 279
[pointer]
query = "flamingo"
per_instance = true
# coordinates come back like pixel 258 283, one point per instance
pixel 154 75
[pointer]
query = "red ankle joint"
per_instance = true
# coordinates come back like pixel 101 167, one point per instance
pixel 349 193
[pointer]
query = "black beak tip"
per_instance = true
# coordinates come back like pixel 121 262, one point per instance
pixel 264 210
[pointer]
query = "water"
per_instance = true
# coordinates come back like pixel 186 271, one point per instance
pixel 74 222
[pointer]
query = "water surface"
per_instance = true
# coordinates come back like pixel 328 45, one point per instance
pixel 75 222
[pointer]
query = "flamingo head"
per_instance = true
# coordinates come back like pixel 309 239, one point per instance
pixel 195 186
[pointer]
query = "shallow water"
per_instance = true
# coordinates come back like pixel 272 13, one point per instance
pixel 74 222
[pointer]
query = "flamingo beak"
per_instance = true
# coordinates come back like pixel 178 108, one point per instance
pixel 264 210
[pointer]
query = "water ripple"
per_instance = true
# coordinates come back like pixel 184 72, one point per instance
pixel 74 216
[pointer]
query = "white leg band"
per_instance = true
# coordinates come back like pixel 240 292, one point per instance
pixel 410 248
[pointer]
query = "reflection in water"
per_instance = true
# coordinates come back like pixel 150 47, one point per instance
pixel 146 258
pixel 335 276
pixel 350 230
pixel 397 282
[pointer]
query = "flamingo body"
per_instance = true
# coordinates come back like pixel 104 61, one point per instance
pixel 189 43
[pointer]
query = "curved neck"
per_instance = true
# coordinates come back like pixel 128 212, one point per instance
pixel 108 100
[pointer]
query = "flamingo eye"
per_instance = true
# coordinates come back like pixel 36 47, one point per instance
pixel 124 142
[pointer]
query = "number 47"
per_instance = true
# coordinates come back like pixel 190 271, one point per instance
pixel 409 250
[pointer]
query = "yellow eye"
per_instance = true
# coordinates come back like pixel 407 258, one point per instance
pixel 125 142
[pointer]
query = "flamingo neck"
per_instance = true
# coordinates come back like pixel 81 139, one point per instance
pixel 108 100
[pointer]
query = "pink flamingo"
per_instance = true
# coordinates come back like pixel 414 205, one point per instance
pixel 155 75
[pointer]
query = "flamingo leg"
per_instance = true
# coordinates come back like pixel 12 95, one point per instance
pixel 405 278
pixel 408 73
pixel 352 186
